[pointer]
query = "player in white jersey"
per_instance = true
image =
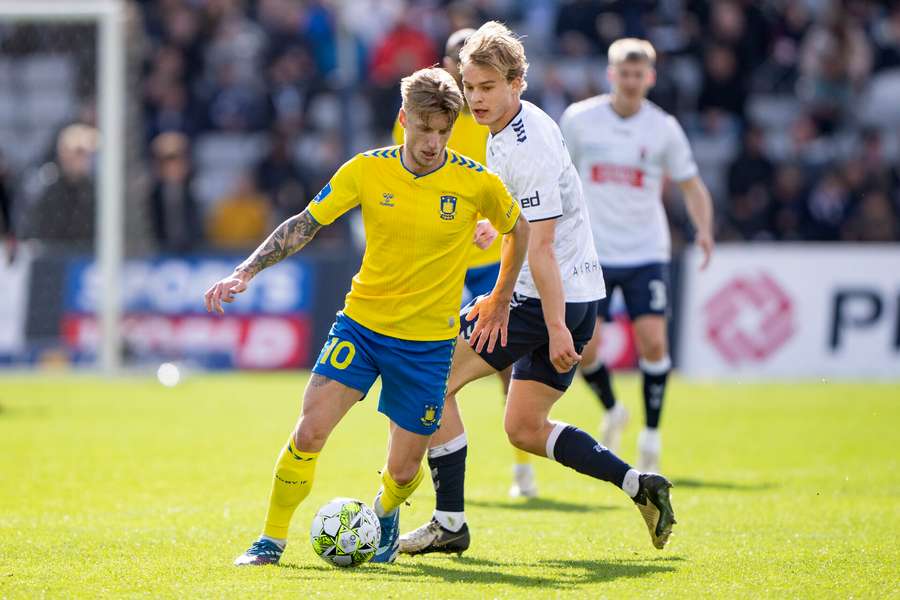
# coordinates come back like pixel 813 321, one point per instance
pixel 624 146
pixel 552 313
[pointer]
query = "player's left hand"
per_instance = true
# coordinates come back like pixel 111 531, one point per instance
pixel 224 291
pixel 493 318
pixel 705 242
pixel 485 234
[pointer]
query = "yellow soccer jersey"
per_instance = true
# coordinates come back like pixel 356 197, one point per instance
pixel 418 233
pixel 469 139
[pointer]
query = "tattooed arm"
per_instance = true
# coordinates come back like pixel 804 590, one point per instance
pixel 288 238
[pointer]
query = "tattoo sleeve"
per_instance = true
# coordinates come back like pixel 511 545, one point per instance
pixel 288 238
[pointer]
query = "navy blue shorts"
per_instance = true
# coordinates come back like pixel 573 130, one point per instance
pixel 528 344
pixel 645 289
pixel 413 374
pixel 480 281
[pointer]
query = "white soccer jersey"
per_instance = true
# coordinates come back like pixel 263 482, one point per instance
pixel 622 162
pixel 531 158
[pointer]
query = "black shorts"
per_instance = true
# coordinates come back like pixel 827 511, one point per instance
pixel 528 343
pixel 644 287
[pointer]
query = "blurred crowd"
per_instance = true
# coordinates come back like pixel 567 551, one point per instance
pixel 248 106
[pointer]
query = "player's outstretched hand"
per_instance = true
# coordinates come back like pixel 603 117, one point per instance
pixel 485 234
pixel 224 291
pixel 493 319
pixel 706 244
pixel 562 349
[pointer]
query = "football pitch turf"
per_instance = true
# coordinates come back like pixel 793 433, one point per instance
pixel 127 488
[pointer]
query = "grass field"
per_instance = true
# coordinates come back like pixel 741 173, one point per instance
pixel 129 488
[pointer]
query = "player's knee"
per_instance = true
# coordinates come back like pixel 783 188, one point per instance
pixel 655 349
pixel 309 436
pixel 403 473
pixel 521 433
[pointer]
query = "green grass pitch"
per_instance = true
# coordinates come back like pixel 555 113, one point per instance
pixel 127 488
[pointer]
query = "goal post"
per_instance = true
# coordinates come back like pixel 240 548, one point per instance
pixel 109 16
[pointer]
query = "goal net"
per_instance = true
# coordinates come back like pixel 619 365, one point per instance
pixel 64 148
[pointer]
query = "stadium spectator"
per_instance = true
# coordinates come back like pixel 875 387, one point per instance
pixel 874 220
pixel 827 208
pixel 241 219
pixel 403 50
pixel 292 83
pixel 723 85
pixel 283 181
pixel 835 60
pixel 752 167
pixel 64 211
pixel 788 202
pixel 797 70
pixel 176 222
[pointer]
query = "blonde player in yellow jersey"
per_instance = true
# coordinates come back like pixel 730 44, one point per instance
pixel 470 138
pixel 420 204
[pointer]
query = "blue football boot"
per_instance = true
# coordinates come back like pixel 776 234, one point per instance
pixel 262 552
pixel 389 545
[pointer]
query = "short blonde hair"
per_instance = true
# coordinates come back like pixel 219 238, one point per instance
pixel 628 49
pixel 494 45
pixel 429 91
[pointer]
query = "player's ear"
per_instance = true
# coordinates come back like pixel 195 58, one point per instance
pixel 401 116
pixel 651 77
pixel 516 84
pixel 611 75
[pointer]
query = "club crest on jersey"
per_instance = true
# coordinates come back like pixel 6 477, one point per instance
pixel 430 417
pixel 448 207
pixel 388 199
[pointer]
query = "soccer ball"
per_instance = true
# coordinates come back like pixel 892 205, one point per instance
pixel 345 533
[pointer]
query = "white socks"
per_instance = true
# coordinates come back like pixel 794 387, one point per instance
pixel 451 521
pixel 631 484
pixel 281 543
pixel 457 443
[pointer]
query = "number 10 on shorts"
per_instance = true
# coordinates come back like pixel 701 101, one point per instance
pixel 339 352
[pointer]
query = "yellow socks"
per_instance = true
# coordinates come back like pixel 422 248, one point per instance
pixel 521 457
pixel 292 482
pixel 391 495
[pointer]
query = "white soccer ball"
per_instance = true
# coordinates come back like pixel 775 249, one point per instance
pixel 345 532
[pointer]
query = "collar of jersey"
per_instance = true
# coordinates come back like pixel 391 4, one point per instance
pixel 518 112
pixel 630 117
pixel 434 170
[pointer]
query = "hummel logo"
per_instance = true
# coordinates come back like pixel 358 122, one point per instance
pixel 387 199
pixel 519 129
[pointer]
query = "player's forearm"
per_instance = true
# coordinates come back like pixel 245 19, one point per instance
pixel 513 250
pixel 699 204
pixel 288 238
pixel 548 280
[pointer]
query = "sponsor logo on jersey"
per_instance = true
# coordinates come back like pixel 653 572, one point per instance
pixel 586 267
pixel 618 174
pixel 448 207
pixel 749 319
pixel 531 201
pixel 323 193
pixel 388 199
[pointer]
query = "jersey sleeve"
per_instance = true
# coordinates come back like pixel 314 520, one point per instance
pixel 679 160
pixel 399 134
pixel 339 195
pixel 570 133
pixel 497 205
pixel 535 179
